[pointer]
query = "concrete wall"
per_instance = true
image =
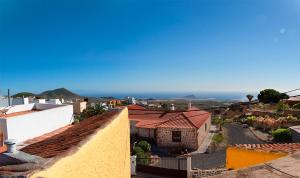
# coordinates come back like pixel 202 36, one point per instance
pixel 79 107
pixel 237 158
pixel 188 138
pixel 28 126
pixel 105 155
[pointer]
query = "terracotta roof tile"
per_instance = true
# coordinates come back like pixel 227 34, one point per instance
pixel 71 137
pixel 284 147
pixel 135 107
pixel 173 119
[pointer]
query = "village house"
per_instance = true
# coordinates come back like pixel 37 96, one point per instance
pixel 292 100
pixel 85 149
pixel 170 128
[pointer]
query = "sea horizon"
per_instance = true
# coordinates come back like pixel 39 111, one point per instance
pixel 220 96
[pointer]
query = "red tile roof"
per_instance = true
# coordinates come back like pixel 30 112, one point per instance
pixel 197 117
pixel 71 137
pixel 285 147
pixel 170 119
pixel 135 107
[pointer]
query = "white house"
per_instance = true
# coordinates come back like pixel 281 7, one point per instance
pixel 23 122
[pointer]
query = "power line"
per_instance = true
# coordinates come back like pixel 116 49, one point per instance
pixel 292 90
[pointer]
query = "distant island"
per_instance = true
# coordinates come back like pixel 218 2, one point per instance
pixel 190 97
pixel 56 93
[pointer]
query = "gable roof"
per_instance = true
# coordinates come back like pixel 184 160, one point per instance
pixel 170 119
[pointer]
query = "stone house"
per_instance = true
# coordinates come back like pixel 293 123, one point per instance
pixel 171 128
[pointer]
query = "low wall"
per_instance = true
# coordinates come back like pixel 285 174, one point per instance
pixel 20 108
pixel 28 126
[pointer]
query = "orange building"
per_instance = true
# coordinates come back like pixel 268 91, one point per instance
pixel 245 155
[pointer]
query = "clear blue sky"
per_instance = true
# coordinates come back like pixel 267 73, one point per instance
pixel 149 45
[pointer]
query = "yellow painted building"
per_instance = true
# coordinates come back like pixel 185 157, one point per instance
pixel 97 147
pixel 237 158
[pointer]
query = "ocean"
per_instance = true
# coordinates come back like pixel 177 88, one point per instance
pixel 222 96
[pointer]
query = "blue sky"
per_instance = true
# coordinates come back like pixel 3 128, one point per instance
pixel 149 45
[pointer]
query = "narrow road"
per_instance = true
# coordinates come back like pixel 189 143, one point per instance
pixel 235 134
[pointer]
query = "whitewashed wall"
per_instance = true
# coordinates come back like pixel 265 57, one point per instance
pixel 35 124
pixel 20 108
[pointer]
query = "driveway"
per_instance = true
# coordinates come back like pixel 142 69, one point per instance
pixel 235 134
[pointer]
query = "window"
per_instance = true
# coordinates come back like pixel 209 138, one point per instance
pixel 176 136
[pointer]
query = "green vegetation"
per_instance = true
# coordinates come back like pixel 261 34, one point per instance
pixel 145 146
pixel 271 96
pixel 142 151
pixel 24 94
pixel 219 121
pixel 89 112
pixel 282 107
pixel 59 93
pixel 250 119
pixel 296 106
pixel 282 135
pixel 218 138
pixel 250 97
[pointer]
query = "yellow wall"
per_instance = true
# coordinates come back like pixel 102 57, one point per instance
pixel 237 158
pixel 106 155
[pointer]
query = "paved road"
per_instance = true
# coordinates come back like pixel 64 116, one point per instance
pixel 240 135
pixel 235 135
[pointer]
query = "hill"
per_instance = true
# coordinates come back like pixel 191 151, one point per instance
pixel 59 93
pixel 24 94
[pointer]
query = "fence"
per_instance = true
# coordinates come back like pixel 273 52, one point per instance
pixel 174 167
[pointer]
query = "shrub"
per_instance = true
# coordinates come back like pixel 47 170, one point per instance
pixel 271 96
pixel 282 135
pixel 218 138
pixel 296 106
pixel 137 150
pixel 251 119
pixel 282 107
pixel 145 146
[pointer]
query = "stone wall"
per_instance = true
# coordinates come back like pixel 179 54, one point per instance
pixel 188 138
pixel 202 132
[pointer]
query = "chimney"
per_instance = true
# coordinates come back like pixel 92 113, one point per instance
pixel 8 97
pixel 172 107
pixel 189 105
pixel 10 145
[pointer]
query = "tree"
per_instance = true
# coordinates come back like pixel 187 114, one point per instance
pixel 250 97
pixel 271 96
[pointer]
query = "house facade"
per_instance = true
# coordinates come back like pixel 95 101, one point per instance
pixel 185 129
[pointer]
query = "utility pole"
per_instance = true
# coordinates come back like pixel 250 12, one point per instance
pixel 8 97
